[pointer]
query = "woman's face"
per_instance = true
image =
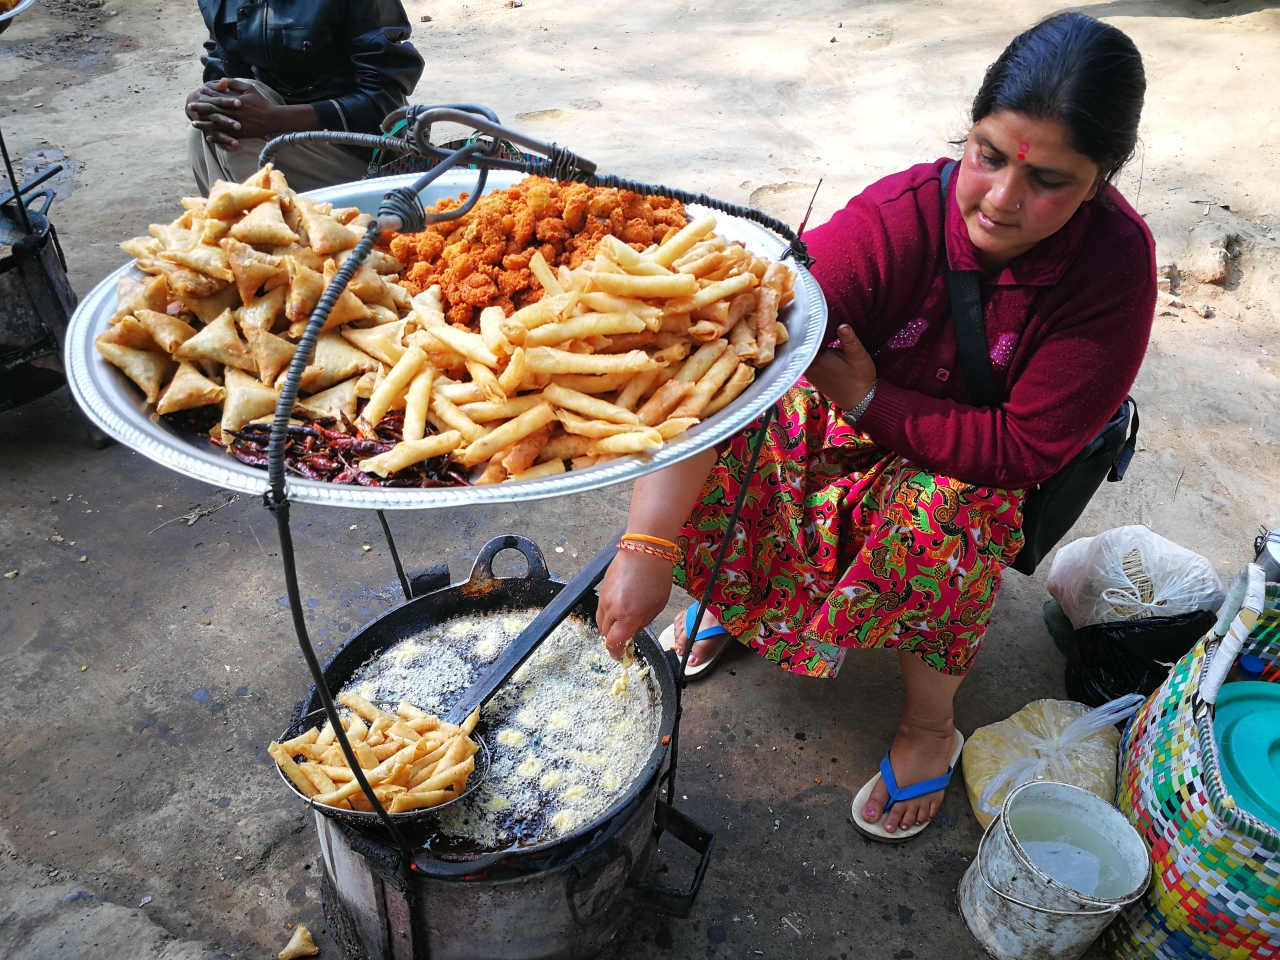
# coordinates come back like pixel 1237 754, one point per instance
pixel 1020 182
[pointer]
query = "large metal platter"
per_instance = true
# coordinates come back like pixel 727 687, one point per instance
pixel 116 405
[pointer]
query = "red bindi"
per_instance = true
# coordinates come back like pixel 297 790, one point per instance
pixel 1022 150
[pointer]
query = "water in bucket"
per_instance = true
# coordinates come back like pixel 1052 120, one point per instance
pixel 1071 852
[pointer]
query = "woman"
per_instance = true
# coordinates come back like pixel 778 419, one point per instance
pixel 885 505
pixel 286 66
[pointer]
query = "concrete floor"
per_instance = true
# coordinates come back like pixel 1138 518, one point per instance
pixel 139 814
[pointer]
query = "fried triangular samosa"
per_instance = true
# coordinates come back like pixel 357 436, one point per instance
pixel 289 208
pixel 228 199
pixel 366 383
pixel 379 260
pixel 194 204
pixel 263 226
pixel 382 343
pixel 261 178
pixel 142 247
pixel 380 315
pixel 211 261
pixel 300 945
pixel 371 288
pixel 340 360
pixel 188 389
pixel 252 269
pixel 271 353
pixel 310 380
pixel 133 295
pixel 349 307
pixel 264 311
pixel 211 231
pixel 169 332
pixel 335 402
pixel 304 255
pixel 172 236
pixel 246 400
pixel 219 341
pixel 306 287
pixel 129 333
pixel 147 369
pixel 209 309
pixel 325 235
pixel 183 282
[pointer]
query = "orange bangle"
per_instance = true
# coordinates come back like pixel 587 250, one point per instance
pixel 656 541
pixel 662 554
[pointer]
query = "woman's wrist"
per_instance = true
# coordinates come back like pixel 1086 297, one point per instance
pixel 648 545
pixel 854 413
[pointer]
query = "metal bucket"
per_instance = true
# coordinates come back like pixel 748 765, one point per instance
pixel 1015 909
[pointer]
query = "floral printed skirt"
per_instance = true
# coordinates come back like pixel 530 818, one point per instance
pixel 843 544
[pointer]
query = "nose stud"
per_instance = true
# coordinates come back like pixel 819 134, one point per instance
pixel 1018 206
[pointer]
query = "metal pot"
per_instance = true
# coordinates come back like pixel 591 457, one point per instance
pixel 36 301
pixel 562 899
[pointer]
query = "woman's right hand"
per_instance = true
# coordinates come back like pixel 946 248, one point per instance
pixel 634 591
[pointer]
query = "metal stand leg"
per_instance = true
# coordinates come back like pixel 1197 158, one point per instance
pixel 756 443
pixel 395 557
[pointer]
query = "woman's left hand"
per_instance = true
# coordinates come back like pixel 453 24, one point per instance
pixel 844 376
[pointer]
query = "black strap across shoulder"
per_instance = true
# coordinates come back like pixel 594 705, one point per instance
pixel 965 287
pixel 1051 507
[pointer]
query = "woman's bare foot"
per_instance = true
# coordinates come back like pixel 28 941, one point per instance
pixel 919 753
pixel 703 650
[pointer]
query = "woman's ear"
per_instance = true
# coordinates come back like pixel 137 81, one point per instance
pixel 1093 191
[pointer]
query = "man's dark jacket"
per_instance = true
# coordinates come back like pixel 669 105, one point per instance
pixel 350 59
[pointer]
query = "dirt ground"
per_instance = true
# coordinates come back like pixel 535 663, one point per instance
pixel 148 658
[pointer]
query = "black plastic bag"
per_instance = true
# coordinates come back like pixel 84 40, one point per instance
pixel 1108 660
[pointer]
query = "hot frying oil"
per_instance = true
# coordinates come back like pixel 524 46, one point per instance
pixel 568 733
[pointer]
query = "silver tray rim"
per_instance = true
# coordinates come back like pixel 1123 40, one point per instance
pixel 114 404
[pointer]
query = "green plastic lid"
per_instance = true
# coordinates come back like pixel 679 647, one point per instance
pixel 1247 725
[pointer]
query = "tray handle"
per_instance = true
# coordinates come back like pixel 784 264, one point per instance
pixel 482 569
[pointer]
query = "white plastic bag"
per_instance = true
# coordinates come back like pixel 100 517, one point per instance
pixel 1130 573
pixel 1046 740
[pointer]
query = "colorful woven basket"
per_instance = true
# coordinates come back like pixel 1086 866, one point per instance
pixel 1215 890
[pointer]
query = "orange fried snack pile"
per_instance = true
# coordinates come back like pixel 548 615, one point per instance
pixel 482 259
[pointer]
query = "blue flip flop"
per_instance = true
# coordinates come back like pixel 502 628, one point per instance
pixel 668 640
pixel 898 794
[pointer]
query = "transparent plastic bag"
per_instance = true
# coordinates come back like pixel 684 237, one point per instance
pixel 1045 740
pixel 1130 573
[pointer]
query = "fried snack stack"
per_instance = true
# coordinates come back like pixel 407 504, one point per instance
pixel 482 259
pixel 233 283
pixel 411 759
pixel 528 337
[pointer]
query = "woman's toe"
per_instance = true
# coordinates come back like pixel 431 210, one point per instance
pixel 875 802
pixel 895 817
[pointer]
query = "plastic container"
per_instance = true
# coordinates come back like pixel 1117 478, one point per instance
pixel 1247 728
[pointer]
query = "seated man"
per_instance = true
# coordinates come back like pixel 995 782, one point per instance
pixel 280 66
